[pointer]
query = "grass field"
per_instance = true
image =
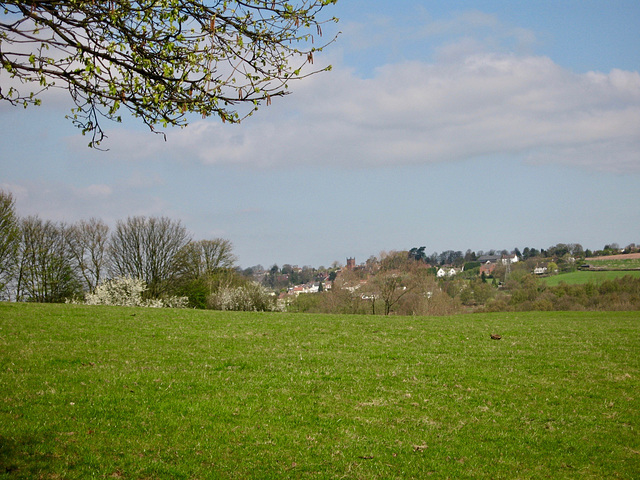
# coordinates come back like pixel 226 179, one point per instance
pixel 126 393
pixel 586 276
pixel 616 261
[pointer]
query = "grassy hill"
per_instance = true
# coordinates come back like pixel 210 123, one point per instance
pixel 616 262
pixel 586 276
pixel 132 393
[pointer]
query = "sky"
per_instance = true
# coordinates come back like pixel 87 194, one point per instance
pixel 451 125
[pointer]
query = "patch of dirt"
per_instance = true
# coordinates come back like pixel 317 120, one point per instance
pixel 622 256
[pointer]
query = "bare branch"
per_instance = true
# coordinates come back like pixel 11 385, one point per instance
pixel 159 60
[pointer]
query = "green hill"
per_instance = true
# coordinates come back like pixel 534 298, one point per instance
pixel 581 277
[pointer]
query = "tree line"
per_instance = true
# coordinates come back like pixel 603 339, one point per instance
pixel 45 261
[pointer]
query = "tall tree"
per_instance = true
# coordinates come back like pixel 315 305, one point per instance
pixel 204 257
pixel 45 272
pixel 160 60
pixel 87 242
pixel 417 253
pixel 145 248
pixel 9 241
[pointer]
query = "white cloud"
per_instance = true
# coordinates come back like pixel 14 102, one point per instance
pixel 416 112
pixel 472 100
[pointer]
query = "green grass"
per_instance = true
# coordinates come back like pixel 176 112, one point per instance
pixel 109 392
pixel 613 263
pixel 582 277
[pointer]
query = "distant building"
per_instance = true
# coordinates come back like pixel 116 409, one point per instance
pixel 489 258
pixel 487 268
pixel 351 263
pixel 510 258
pixel 540 270
pixel 447 271
pixel 504 259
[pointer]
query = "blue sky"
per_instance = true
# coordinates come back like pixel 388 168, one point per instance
pixel 453 125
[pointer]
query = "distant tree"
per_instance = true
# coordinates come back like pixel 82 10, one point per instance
pixel 286 269
pixel 372 264
pixel 398 278
pixel 390 287
pixel 307 274
pixel 88 242
pixel 417 253
pixel 9 241
pixel 343 298
pixel 450 257
pixel 200 267
pixel 576 250
pixel 203 258
pixel 611 249
pixel 558 250
pixel 395 260
pixel 482 292
pixel 472 268
pixel 45 271
pixel 146 248
pixel 159 60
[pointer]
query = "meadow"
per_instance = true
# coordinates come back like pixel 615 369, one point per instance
pixel 581 277
pixel 616 262
pixel 135 393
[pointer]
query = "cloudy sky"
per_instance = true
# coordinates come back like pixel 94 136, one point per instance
pixel 451 125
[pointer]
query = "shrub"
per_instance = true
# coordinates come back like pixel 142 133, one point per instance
pixel 127 292
pixel 306 303
pixel 248 297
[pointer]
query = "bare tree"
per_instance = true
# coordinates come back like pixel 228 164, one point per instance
pixel 87 242
pixel 400 276
pixel 204 257
pixel 45 272
pixel 390 287
pixel 145 248
pixel 9 241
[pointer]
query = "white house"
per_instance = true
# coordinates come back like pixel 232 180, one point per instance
pixel 447 271
pixel 510 258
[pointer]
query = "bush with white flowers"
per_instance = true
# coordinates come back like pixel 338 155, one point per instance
pixel 127 291
pixel 249 297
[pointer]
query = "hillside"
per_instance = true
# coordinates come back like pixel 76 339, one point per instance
pixel 583 277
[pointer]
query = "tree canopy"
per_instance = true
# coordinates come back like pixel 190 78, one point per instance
pixel 159 59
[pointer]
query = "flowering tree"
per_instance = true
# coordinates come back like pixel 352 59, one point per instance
pixel 127 292
pixel 160 60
